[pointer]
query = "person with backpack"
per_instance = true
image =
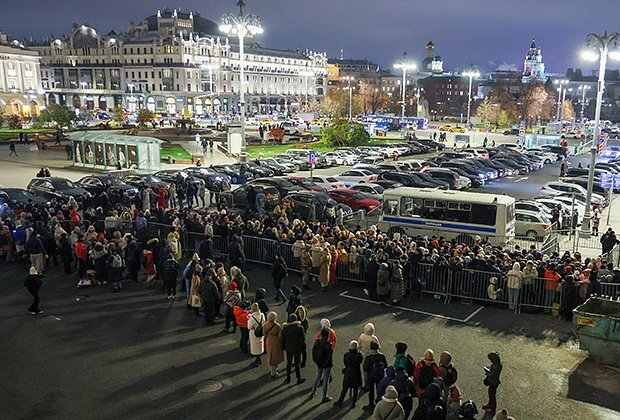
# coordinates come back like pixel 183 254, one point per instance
pixel 403 360
pixel 405 389
pixel 170 272
pixel 352 361
pixel 447 371
pixel 425 371
pixel 374 367
pixel 231 299
pixel 294 300
pixel 322 356
pixel 272 331
pixel 388 408
pixel 432 405
pixel 390 374
pixel 257 340
pixel 115 267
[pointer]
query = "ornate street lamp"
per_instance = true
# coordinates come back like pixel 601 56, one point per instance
pixel 241 25
pixel 471 74
pixel 404 64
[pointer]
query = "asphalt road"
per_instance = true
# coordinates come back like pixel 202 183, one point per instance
pixel 94 354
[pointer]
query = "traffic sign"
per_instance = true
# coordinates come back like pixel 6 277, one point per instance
pixel 312 158
pixel 522 128
pixel 610 181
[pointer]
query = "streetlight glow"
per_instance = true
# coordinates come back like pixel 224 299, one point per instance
pixel 404 64
pixel 471 74
pixel 241 25
pixel 589 55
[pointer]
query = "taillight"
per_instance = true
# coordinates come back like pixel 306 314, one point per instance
pixel 544 226
pixel 453 183
pixel 606 195
pixel 543 188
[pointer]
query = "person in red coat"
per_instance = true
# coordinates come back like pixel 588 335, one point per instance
pixel 81 256
pixel 425 371
pixel 161 198
pixel 149 261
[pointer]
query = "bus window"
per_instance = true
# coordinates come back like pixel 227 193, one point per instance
pixel 459 212
pixel 390 207
pixel 484 214
pixel 510 213
pixel 411 207
pixel 434 209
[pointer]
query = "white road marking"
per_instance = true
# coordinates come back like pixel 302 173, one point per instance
pixel 464 321
pixel 522 179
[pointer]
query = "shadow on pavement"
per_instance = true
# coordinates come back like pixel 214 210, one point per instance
pixel 596 384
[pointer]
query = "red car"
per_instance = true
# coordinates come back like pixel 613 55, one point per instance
pixel 354 199
pixel 305 183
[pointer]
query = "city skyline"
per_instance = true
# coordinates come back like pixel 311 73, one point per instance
pixel 399 26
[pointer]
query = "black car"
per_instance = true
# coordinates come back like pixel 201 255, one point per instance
pixel 96 184
pixel 408 180
pixel 58 188
pixel 13 196
pixel 283 185
pixel 423 148
pixel 511 132
pixel 145 180
pixel 560 151
pixel 274 166
pixel 434 145
pixel 309 204
pixel 512 164
pixel 234 172
pixel 476 181
pixel 468 168
pixel 387 184
pixel 253 168
pixel 442 185
pixel 244 197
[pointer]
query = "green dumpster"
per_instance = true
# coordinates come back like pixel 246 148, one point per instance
pixel 597 325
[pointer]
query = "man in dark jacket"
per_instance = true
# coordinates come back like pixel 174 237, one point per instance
pixel 323 357
pixel 170 272
pixel 375 364
pixel 608 241
pixel 294 344
pixel 133 256
pixel 66 252
pixel 372 267
pixel 33 284
pixel 210 296
pixel 236 252
pixel 36 250
pixel 405 388
pixel 205 249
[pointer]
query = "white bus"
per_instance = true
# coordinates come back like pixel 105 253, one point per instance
pixel 451 214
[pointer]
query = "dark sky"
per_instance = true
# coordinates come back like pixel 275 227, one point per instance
pixel 484 32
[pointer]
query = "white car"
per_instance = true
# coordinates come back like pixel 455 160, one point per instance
pixel 597 200
pixel 473 152
pixel 540 160
pixel 356 176
pixel 413 165
pixel 370 160
pixel 368 188
pixel 531 205
pixel 341 158
pixel 551 203
pixel 532 225
pixel 612 152
pixel 370 150
pixel 388 150
pixel 551 189
pixel 328 182
pixel 549 157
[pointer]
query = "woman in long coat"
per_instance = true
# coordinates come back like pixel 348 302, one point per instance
pixel 193 298
pixel 257 344
pixel 333 266
pixel 324 264
pixel 397 283
pixel 352 371
pixel 272 331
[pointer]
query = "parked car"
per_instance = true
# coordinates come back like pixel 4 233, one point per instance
pixel 533 205
pixel 370 188
pixel 342 158
pixel 560 152
pixel 551 189
pixel 305 183
pixel 456 181
pixel 284 185
pixel 21 197
pixel 387 184
pixel 356 176
pixel 355 199
pixel 312 205
pixel 328 182
pixel 476 152
pixel 273 165
pixel 96 184
pixel 406 179
pixel 234 172
pixel 57 188
pixel 212 178
pixel 244 197
pixel 511 132
pixel 144 180
pixel 532 225
pixel 298 163
pixel 434 145
pixel 369 160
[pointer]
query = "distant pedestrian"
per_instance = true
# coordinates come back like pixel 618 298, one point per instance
pixel 279 271
pixel 242 316
pixel 352 371
pixel 294 344
pixel 375 364
pixel 255 327
pixel 492 380
pixel 33 284
pixel 12 151
pixel 58 135
pixel 170 272
pixel 563 168
pixel 231 299
pixel 272 331
pixel 322 355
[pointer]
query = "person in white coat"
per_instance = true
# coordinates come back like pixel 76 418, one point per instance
pixel 514 280
pixel 367 336
pixel 257 344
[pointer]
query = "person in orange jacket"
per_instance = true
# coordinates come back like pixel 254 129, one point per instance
pixel 552 282
pixel 327 325
pixel 81 256
pixel 242 316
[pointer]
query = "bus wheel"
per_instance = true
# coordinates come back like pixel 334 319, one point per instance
pixel 396 229
pixel 465 239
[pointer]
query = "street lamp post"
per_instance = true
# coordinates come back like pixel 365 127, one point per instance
pixel 241 25
pixel 471 74
pixel 583 89
pixel 306 74
pixel 417 102
pixel 350 88
pixel 560 83
pixel 404 64
pixel 211 67
pixel 602 43
pixel 130 86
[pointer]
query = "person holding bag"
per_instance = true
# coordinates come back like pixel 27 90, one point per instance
pixel 193 299
pixel 257 340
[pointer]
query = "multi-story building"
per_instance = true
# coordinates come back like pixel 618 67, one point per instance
pixel 447 94
pixel 533 66
pixel 174 62
pixel 20 85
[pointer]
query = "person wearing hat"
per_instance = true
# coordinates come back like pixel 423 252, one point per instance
pixel 306 265
pixel 352 361
pixel 231 299
pixel 388 408
pixel 33 284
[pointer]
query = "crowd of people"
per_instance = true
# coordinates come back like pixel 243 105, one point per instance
pixel 110 239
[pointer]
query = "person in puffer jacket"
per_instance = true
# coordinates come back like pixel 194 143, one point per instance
pixel 383 282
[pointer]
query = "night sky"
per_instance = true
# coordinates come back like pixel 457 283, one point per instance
pixel 484 32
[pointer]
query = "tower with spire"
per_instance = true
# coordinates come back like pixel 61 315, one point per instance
pixel 533 66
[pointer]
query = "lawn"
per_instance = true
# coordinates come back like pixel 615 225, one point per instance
pixel 175 150
pixel 7 134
